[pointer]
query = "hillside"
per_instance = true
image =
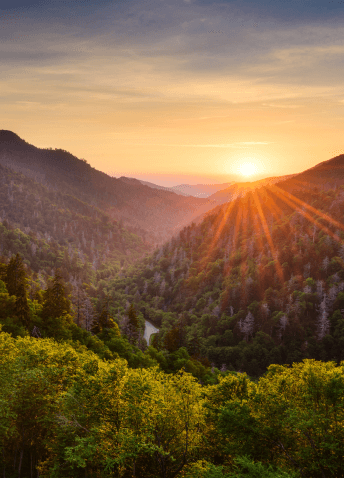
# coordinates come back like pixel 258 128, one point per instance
pixel 260 280
pixel 53 230
pixel 201 190
pixel 327 175
pixel 261 273
pixel 195 190
pixel 241 188
pixel 153 186
pixel 153 213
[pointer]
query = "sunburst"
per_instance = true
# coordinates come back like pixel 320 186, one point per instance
pixel 247 169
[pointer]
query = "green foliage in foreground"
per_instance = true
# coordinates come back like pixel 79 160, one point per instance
pixel 68 413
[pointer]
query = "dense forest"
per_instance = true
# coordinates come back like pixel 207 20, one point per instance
pixel 154 214
pixel 72 406
pixel 51 229
pixel 260 281
pixel 243 378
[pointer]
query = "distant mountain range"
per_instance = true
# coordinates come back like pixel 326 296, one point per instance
pixel 196 190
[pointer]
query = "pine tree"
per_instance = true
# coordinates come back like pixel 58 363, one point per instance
pixel 15 275
pixel 55 303
pixel 133 324
pixel 172 339
pixel 16 285
pixel 87 312
pixel 104 320
pixel 21 306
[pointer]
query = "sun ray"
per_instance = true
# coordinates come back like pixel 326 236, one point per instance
pixel 311 208
pixel 245 226
pixel 276 211
pixel 222 222
pixel 237 227
pixel 268 236
pixel 258 226
pixel 308 216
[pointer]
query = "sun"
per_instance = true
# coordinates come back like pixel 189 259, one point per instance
pixel 247 169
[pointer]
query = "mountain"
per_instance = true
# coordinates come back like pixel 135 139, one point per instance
pixel 256 280
pixel 327 175
pixel 200 190
pixel 259 280
pixel 156 186
pixel 241 188
pixel 152 213
pixel 52 229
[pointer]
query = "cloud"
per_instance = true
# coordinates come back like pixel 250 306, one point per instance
pixel 168 51
pixel 227 145
pixel 286 105
pixel 238 145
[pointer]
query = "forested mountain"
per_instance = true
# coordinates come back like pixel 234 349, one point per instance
pixel 239 189
pixel 326 175
pixel 255 287
pixel 260 280
pixel 153 213
pixel 53 229
pixel 153 186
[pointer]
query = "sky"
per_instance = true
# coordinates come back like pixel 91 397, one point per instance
pixel 176 91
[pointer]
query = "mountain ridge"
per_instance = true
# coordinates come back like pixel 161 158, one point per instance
pixel 154 212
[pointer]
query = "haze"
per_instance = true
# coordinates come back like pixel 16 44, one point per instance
pixel 176 91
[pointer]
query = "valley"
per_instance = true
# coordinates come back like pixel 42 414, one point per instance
pixel 203 296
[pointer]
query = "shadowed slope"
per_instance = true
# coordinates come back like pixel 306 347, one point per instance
pixel 154 213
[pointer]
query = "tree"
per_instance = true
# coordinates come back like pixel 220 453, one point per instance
pixel 17 286
pixel 292 418
pixel 87 311
pixel 172 339
pixel 56 318
pixel 55 303
pixel 15 275
pixel 103 321
pixel 133 324
pixel 323 324
pixel 21 306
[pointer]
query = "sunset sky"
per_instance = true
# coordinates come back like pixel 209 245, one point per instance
pixel 175 91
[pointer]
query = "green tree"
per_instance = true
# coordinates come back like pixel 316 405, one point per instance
pixel 16 282
pixel 15 275
pixel 293 418
pixel 103 321
pixel 133 325
pixel 56 318
pixel 55 303
pixel 21 306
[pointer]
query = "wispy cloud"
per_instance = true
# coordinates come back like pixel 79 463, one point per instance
pixel 241 144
